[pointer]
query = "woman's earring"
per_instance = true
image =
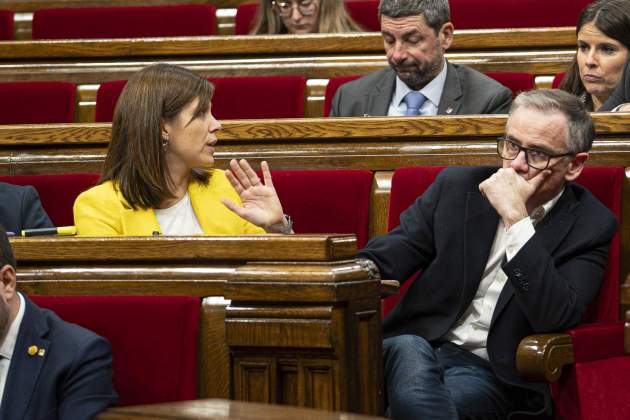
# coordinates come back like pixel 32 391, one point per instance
pixel 164 143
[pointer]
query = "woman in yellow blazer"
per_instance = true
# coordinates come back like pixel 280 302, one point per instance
pixel 158 176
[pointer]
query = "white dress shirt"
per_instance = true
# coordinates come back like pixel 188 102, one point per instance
pixel 432 91
pixel 179 219
pixel 471 331
pixel 8 345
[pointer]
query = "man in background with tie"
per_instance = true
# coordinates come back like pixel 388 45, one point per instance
pixel 505 253
pixel 419 81
pixel 49 369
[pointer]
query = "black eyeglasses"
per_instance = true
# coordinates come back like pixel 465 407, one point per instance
pixel 285 8
pixel 535 158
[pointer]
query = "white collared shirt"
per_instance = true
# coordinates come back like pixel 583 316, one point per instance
pixel 471 331
pixel 432 91
pixel 8 345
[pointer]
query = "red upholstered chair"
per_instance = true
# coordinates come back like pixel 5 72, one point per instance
pixel 473 14
pixel 234 97
pixel 155 341
pixel 365 13
pixel 258 97
pixel 245 18
pixel 57 192
pixel 515 81
pixel 106 98
pixel 124 22
pixel 594 385
pixel 557 79
pixel 37 102
pixel 326 201
pixel 331 89
pixel 407 185
pixel 6 24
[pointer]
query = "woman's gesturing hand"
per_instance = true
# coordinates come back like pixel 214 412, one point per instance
pixel 261 205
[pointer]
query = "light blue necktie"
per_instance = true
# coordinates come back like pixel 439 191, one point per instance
pixel 414 101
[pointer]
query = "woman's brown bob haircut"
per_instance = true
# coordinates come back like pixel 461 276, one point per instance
pixel 135 161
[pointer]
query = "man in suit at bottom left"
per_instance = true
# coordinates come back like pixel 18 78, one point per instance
pixel 49 368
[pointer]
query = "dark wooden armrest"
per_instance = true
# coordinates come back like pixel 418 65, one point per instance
pixel 389 287
pixel 626 333
pixel 541 357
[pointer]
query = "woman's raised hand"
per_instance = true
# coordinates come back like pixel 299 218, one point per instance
pixel 261 205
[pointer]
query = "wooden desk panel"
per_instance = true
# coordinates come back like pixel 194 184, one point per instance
pixel 223 410
pixel 302 328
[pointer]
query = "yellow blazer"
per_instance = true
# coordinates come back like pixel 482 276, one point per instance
pixel 103 211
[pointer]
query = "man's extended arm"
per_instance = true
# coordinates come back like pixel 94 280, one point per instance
pixel 410 246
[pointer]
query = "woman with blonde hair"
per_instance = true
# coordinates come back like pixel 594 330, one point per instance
pixel 303 17
pixel 158 177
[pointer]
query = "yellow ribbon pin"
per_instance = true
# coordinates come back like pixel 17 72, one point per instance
pixel 32 350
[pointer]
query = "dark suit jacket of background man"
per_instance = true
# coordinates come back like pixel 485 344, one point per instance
pixel 20 208
pixel 71 381
pixel 466 91
pixel 449 232
pixel 621 94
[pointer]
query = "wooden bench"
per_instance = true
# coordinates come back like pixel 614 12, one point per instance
pixel 87 63
pixel 302 327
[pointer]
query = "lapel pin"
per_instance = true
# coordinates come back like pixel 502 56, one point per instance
pixel 32 350
pixel 41 352
pixel 449 110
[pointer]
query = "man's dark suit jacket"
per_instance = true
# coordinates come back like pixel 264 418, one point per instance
pixel 466 91
pixel 621 94
pixel 20 208
pixel 449 231
pixel 72 380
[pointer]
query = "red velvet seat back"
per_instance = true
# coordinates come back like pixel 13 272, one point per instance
pixel 326 201
pixel 106 98
pixel 407 185
pixel 245 18
pixel 331 89
pixel 488 14
pixel 258 97
pixel 57 192
pixel 37 102
pixel 6 24
pixel 517 82
pixel 124 22
pixel 365 13
pixel 234 97
pixel 606 183
pixel 155 341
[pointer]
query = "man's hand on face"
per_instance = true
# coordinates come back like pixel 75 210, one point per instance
pixel 508 192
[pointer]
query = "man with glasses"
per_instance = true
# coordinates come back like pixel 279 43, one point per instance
pixel 504 253
pixel 419 80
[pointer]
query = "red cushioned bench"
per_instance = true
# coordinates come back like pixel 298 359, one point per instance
pixel 124 22
pixel 234 97
pixel 155 341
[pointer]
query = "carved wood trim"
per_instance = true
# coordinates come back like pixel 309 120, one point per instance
pixel 541 357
